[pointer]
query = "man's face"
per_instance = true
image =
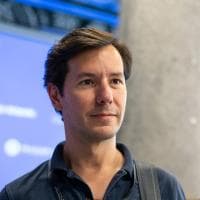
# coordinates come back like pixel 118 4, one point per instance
pixel 94 94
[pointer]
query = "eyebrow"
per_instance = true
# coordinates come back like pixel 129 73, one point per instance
pixel 92 75
pixel 118 74
pixel 83 74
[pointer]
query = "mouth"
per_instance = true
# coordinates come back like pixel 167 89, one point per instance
pixel 103 116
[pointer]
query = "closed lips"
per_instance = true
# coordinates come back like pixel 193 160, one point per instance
pixel 103 114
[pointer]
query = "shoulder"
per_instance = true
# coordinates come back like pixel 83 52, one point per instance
pixel 169 186
pixel 33 180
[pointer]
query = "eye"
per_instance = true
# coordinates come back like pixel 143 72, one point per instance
pixel 87 82
pixel 116 81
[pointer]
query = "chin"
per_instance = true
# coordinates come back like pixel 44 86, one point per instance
pixel 101 134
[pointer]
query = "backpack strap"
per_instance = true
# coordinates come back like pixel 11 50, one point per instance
pixel 148 181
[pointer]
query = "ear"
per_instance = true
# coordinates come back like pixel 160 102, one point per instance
pixel 55 96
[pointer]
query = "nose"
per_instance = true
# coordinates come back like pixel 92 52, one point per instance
pixel 104 94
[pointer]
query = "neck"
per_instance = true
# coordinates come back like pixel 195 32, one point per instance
pixel 96 155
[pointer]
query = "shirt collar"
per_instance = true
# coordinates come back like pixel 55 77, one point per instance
pixel 128 160
pixel 57 162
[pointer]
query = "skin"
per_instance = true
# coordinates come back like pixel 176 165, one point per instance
pixel 93 106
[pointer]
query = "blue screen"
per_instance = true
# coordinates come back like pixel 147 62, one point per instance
pixel 29 126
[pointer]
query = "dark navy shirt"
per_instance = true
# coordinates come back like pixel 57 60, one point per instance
pixel 54 180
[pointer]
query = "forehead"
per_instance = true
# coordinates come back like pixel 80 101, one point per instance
pixel 105 59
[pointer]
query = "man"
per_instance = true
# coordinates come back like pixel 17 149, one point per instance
pixel 85 77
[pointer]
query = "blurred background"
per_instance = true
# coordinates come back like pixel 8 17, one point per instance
pixel 162 122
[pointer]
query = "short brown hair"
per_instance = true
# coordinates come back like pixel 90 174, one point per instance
pixel 74 43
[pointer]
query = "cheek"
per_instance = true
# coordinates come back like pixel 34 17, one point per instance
pixel 79 103
pixel 125 98
pixel 121 98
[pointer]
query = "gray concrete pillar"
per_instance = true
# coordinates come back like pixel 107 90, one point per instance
pixel 162 122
